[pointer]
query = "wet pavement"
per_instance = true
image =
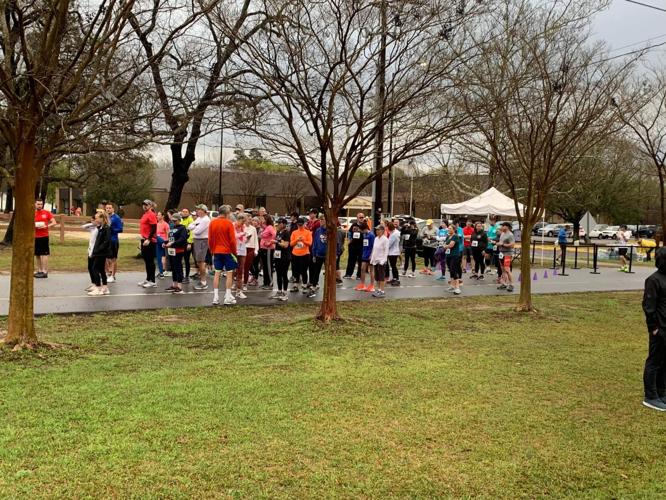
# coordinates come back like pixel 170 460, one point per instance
pixel 64 292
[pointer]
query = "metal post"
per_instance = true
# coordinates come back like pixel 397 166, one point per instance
pixel 564 261
pixel 631 259
pixel 391 180
pixel 381 97
pixel 575 266
pixel 595 260
pixel 554 258
pixel 533 250
pixel 219 176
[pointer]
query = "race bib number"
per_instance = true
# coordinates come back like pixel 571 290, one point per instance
pixel 407 236
pixel 501 255
pixel 448 251
pixel 366 243
pixel 277 254
pixel 300 245
pixel 356 235
pixel 171 251
pixel 475 243
pixel 314 260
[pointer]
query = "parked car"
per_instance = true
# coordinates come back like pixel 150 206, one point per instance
pixel 609 233
pixel 646 231
pixel 552 230
pixel 595 232
pixel 515 225
pixel 539 225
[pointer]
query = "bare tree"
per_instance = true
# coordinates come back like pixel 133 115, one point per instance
pixel 540 97
pixel 292 189
pixel 190 58
pixel 63 70
pixel 647 123
pixel 333 74
pixel 203 185
pixel 250 185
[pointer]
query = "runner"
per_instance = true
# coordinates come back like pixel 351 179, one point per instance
pixel 317 259
pixel 300 241
pixel 654 307
pixel 467 231
pixel 251 250
pixel 241 242
pixel 562 241
pixel 148 233
pixel 453 252
pixel 92 228
pixel 505 254
pixel 409 235
pixel 222 244
pixel 43 221
pixel 255 266
pixel 266 248
pixel 187 221
pixel 282 256
pixel 355 248
pixel 378 260
pixel 116 226
pixel 394 253
pixel 429 239
pixel 623 237
pixel 199 237
pixel 492 252
pixel 176 249
pixel 478 244
pixel 162 237
pixel 440 254
pixel 366 269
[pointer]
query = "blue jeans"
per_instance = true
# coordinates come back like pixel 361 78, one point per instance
pixel 161 252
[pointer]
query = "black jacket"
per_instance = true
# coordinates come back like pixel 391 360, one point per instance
pixel 482 238
pixel 102 246
pixel 654 299
pixel 409 235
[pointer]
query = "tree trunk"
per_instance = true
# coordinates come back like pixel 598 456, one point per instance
pixel 179 176
pixel 525 299
pixel 9 234
pixel 21 327
pixel 329 308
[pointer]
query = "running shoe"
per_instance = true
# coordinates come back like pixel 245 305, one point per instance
pixel 410 275
pixel 245 288
pixel 509 288
pixel 377 294
pixel 229 301
pixel 441 278
pixel 95 293
pixel 348 277
pixel 216 302
pixel 141 283
pixel 276 295
pixel 178 291
pixel 294 289
pixel 370 288
pixel 111 279
pixel 149 284
pixel 106 292
pixel 457 291
pixel 241 295
pixel 167 274
pixel 89 287
pixel 267 287
pixel 501 287
pixel 201 286
pixel 284 297
pixel 655 404
pixel 360 288
pixel 312 293
pixel 186 280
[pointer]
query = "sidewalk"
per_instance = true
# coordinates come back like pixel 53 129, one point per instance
pixel 63 293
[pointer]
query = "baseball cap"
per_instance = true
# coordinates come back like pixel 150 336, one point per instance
pixel 428 222
pixel 380 228
pixel 201 206
pixel 300 221
pixel 282 220
pixel 177 216
pixel 147 202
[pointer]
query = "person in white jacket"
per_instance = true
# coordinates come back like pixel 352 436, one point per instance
pixel 378 260
pixel 199 231
pixel 394 252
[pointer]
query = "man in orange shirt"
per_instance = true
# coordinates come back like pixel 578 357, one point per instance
pixel 222 245
pixel 301 241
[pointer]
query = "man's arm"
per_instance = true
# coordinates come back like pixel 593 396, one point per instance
pixel 650 302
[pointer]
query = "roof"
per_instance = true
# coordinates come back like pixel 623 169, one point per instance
pixel 491 201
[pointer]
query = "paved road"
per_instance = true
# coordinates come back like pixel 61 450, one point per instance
pixel 63 293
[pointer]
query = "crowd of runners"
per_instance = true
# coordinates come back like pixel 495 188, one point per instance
pixel 285 254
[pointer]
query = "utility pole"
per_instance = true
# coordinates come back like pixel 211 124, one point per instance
pixel 391 180
pixel 377 206
pixel 219 176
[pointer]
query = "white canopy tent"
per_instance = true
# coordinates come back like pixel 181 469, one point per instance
pixel 489 202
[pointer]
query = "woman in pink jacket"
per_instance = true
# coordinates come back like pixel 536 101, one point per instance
pixel 266 247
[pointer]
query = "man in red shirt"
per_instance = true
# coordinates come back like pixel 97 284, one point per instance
pixel 468 231
pixel 148 232
pixel 222 245
pixel 43 220
pixel 313 222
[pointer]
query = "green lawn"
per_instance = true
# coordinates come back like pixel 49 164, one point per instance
pixel 413 399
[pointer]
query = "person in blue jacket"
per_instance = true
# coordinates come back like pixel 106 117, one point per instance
pixel 116 227
pixel 368 244
pixel 317 259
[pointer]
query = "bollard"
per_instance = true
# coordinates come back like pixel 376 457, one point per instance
pixel 575 266
pixel 554 258
pixel 595 260
pixel 631 259
pixel 564 261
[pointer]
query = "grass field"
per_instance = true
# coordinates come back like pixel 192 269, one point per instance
pixel 415 399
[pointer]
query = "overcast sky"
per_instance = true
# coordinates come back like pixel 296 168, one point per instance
pixel 626 23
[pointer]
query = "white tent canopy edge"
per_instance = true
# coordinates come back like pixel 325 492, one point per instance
pixel 489 202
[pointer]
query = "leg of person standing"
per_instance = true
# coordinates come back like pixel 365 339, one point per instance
pixel 267 268
pixel 160 254
pixel 148 254
pixel 91 272
pixel 100 269
pixel 186 258
pixel 249 260
pixel 316 264
pixel 654 382
pixel 352 260
pixel 393 261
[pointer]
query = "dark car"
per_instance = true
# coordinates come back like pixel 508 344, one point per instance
pixel 645 232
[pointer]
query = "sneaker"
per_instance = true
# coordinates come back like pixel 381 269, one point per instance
pixel 253 283
pixel 294 289
pixel 170 289
pixel 106 292
pixel 89 287
pixel 441 278
pixel 306 290
pixel 655 404
pixel 229 301
pixel 241 295
pixel 283 297
pixel 457 291
pixel 178 291
pixel 404 273
pixel 141 283
pixel 450 289
pixel 370 288
pixel 111 279
pixel 267 287
pixel 311 293
pixel 292 280
pixel 149 284
pixel 216 302
pixel 275 296
pixel 186 280
pixel 360 288
pixel 410 275
pixel 245 288
pixel 395 283
pixel 377 294
pixel 195 276
pixel 201 286
pixel 501 287
pixel 480 277
pixel 338 281
pixel 358 278
pixel 509 288
pixel 95 293
pixel 166 274
pixel 345 277
pixel 159 276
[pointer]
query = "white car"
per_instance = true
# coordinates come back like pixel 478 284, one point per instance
pixel 609 233
pixel 552 230
pixel 596 231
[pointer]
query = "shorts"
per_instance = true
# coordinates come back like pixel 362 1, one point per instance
pixel 379 272
pixel 454 263
pixel 115 245
pixel 224 262
pixel 506 261
pixel 199 249
pixel 42 246
pixel 622 252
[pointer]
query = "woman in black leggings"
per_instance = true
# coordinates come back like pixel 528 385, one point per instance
pixel 478 243
pixel 409 235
